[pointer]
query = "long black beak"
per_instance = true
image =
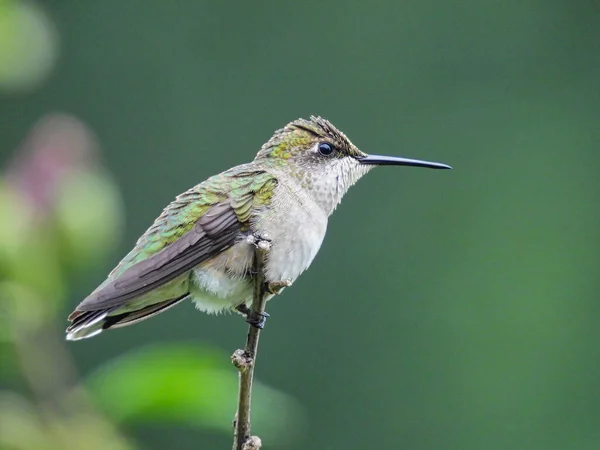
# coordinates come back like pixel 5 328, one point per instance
pixel 379 160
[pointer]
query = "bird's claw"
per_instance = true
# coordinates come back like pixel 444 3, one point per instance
pixel 257 319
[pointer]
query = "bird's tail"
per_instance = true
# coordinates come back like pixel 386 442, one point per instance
pixel 86 324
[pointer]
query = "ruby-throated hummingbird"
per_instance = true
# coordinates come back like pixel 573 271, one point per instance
pixel 201 246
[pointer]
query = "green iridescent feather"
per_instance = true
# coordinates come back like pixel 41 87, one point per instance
pixel 245 188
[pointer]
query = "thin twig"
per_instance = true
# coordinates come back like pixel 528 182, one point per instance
pixel 245 359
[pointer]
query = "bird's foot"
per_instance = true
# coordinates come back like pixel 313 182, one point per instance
pixel 256 319
pixel 275 287
pixel 243 310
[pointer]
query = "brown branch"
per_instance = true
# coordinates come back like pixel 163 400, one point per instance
pixel 245 359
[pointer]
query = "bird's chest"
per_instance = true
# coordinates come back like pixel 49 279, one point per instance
pixel 296 230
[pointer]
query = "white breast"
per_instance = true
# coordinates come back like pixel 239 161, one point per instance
pixel 296 227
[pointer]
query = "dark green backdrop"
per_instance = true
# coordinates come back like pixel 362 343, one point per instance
pixel 446 310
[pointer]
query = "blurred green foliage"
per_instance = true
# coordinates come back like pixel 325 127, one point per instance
pixel 28 45
pixel 191 385
pixel 444 311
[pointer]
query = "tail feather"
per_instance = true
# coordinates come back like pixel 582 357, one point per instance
pixel 85 324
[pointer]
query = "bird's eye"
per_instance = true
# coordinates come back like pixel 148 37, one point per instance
pixel 325 149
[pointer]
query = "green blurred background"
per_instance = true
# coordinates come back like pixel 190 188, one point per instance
pixel 446 310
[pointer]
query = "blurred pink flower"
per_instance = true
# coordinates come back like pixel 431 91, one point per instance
pixel 57 146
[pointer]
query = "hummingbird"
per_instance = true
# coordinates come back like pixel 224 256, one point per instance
pixel 201 247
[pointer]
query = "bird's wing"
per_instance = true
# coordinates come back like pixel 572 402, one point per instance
pixel 198 225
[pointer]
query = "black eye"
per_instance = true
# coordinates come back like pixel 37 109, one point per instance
pixel 325 149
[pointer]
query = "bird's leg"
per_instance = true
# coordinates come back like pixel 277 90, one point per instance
pixel 257 319
pixel 243 310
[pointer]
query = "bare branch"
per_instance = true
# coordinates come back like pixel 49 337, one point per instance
pixel 245 359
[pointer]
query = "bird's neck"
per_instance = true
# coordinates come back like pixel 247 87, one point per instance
pixel 325 188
